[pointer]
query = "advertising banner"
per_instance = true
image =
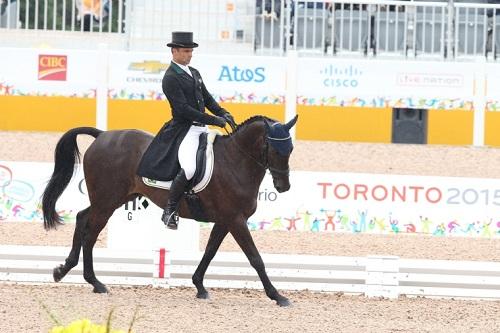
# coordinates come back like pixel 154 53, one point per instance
pixel 385 83
pixel 137 75
pixel 230 79
pixel 316 201
pixel 249 79
pixel 135 225
pixel 381 204
pixel 244 79
pixel 41 72
pixel 21 188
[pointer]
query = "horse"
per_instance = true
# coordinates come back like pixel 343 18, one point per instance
pixel 241 160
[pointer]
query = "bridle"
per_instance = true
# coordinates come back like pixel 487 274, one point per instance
pixel 284 172
pixel 265 152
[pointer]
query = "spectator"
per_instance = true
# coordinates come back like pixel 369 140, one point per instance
pixel 271 8
pixel 89 10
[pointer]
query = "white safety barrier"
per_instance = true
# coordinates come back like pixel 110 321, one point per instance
pixel 35 264
pixel 448 278
pixel 373 276
pixel 382 276
pixel 297 272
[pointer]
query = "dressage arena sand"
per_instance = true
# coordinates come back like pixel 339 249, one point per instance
pixel 177 310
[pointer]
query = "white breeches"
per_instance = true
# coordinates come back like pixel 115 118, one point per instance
pixel 188 148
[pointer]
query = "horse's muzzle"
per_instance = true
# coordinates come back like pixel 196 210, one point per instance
pixel 281 185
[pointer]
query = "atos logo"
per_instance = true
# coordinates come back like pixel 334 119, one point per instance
pixel 236 74
pixel 341 77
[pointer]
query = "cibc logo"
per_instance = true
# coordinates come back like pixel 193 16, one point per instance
pixel 341 77
pixel 237 74
pixel 52 67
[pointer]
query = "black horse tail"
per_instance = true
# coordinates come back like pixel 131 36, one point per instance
pixel 66 155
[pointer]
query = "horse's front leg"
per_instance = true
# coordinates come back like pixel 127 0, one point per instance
pixel 216 237
pixel 244 239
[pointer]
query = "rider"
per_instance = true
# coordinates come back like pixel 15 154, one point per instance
pixel 177 141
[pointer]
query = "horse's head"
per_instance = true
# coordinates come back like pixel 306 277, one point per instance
pixel 279 146
pixel 267 143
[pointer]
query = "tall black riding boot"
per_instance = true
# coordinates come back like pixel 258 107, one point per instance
pixel 177 189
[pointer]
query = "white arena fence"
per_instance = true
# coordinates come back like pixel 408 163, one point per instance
pixel 373 276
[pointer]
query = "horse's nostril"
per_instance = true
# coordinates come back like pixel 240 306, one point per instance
pixel 281 188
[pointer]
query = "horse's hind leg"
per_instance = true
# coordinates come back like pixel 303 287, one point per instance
pixel 216 237
pixel 244 239
pixel 96 223
pixel 72 260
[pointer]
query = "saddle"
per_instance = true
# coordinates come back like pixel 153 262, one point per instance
pixel 204 165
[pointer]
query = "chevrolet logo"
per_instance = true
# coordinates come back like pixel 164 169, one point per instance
pixel 148 66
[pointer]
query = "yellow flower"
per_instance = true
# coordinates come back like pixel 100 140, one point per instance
pixel 83 326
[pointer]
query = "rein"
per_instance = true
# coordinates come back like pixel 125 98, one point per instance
pixel 265 165
pixel 259 163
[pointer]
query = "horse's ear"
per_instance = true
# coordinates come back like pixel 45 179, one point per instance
pixel 268 127
pixel 291 123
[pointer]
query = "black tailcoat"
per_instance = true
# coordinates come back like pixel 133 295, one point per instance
pixel 188 98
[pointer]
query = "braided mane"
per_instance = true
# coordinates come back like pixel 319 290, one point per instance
pixel 252 120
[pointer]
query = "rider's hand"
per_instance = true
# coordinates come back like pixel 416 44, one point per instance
pixel 219 121
pixel 230 120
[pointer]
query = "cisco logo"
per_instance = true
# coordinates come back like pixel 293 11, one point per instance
pixel 341 77
pixel 237 74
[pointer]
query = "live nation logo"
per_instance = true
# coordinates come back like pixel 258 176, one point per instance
pixel 52 67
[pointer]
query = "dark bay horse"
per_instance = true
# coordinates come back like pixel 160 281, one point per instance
pixel 110 164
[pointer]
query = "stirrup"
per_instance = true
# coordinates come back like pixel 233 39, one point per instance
pixel 172 224
pixel 172 220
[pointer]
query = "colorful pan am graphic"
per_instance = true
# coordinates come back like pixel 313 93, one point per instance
pixel 5 176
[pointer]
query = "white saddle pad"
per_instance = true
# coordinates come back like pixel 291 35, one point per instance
pixel 209 167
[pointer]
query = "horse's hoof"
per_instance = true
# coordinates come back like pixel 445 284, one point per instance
pixel 203 295
pixel 100 289
pixel 57 273
pixel 283 301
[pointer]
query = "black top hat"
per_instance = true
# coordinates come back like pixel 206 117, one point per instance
pixel 182 39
